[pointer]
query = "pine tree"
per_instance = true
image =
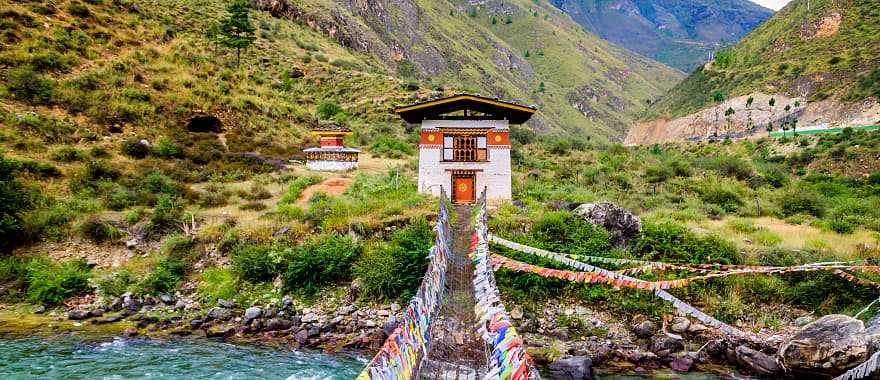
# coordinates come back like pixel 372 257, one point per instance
pixel 727 115
pixel 541 87
pixel 494 20
pixel 508 20
pixel 236 31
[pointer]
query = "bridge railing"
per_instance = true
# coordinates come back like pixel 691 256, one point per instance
pixel 508 358
pixel 404 351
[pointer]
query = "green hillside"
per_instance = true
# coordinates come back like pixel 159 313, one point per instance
pixel 506 49
pixel 679 33
pixel 817 49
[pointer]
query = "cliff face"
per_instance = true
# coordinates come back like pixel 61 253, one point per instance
pixel 518 50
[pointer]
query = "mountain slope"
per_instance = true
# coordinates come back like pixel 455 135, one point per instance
pixel 827 51
pixel 518 50
pixel 679 33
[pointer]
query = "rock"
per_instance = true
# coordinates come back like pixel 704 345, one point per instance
pixel 682 364
pixel 803 321
pixel 644 329
pixel 696 328
pixel 77 315
pixel 111 319
pixel 295 73
pixel 580 310
pixel 115 304
pixel 39 309
pixel 276 324
pixel 268 312
pixel 830 345
pixel 395 308
pixel 757 362
pixel 353 291
pixel 309 318
pixel 314 332
pixel 664 344
pixel 96 313
pixel 572 368
pixel 389 325
pixel 345 310
pixel 130 332
pixel 180 305
pixel 227 304
pixel 302 336
pixel 250 314
pixel 131 243
pixel 680 325
pixel 516 313
pixel 166 299
pixel 195 323
pixel 91 262
pixel 621 223
pixel 219 313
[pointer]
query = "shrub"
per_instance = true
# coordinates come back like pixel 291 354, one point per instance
pixel 766 237
pixel 565 232
pixel 98 231
pixel 673 242
pixel 800 201
pixel 158 183
pixel 50 283
pixel 14 201
pixel 327 109
pixel 256 263
pixel 27 85
pixel 13 268
pixel 135 149
pixel 217 283
pixel 92 175
pixel 164 277
pixel 323 259
pixel 744 226
pixel 78 9
pixel 166 215
pixel 395 269
pixel 68 154
pixel 390 146
pixel 114 284
pixel 841 226
pixel 721 193
pixel 166 147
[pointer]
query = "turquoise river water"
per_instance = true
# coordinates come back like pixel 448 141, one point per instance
pixel 79 357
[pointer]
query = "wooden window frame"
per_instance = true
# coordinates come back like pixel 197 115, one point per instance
pixel 465 148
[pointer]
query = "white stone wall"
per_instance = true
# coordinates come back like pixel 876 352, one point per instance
pixel 331 166
pixel 494 174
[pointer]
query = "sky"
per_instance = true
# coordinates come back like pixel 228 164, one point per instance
pixel 772 4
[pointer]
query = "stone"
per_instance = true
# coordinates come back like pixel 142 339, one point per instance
pixel 314 332
pixel 302 336
pixel 195 323
pixel 250 314
pixel 131 243
pixel 369 323
pixel 390 325
pixel 77 315
pixel 219 313
pixel 757 362
pixel 395 307
pixel 803 321
pixel 572 368
pixel 227 304
pixel 276 324
pixel 110 319
pixel 680 325
pixel 682 364
pixel 625 226
pixel 130 332
pixel 39 309
pixel 180 305
pixel 830 345
pixel 166 299
pixel 383 313
pixel 345 310
pixel 96 313
pixel 644 329
pixel 295 73
pixel 580 310
pixel 115 304
pixel 309 318
pixel 696 328
pixel 516 313
pixel 664 344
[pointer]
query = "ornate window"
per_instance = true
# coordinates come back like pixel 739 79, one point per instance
pixel 464 148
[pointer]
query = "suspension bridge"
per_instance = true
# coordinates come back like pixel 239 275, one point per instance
pixel 456 326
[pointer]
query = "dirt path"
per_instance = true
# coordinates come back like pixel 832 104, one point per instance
pixel 456 351
pixel 332 186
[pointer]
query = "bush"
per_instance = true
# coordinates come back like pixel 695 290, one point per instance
pixel 565 232
pixel 800 201
pixel 98 230
pixel 164 277
pixel 723 194
pixel 166 147
pixel 327 109
pixel 115 284
pixel 50 283
pixel 92 176
pixel 841 226
pixel 78 9
pixel 322 260
pixel 675 243
pixel 256 263
pixel 27 85
pixel 135 149
pixel 13 268
pixel 766 237
pixel 395 269
pixel 217 283
pixel 68 154
pixel 14 201
pixel 166 215
pixel 390 146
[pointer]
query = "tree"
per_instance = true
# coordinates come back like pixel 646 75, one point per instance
pixel 717 97
pixel 236 31
pixel 749 101
pixel 541 87
pixel 727 115
pixel 527 54
pixel 771 103
pixel 508 20
pixel 494 20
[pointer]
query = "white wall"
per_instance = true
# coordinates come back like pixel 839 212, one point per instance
pixel 331 166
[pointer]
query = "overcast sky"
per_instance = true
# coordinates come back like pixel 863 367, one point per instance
pixel 772 4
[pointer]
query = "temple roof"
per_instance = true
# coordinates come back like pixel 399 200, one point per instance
pixel 332 149
pixel 490 108
pixel 331 126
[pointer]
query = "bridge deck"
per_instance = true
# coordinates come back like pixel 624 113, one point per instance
pixel 457 352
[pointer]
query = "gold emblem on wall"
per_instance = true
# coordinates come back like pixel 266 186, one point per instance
pixel 463 187
pixel 431 138
pixel 498 138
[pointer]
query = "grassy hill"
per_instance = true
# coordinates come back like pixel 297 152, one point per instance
pixel 679 33
pixel 524 50
pixel 816 49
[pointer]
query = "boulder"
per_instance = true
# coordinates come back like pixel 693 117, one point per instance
pixel 130 332
pixel 757 362
pixel 302 336
pixel 680 325
pixel 389 325
pixel 830 345
pixel 345 310
pixel 98 312
pixel 682 364
pixel 665 344
pixel 309 318
pixel 644 329
pixel 166 299
pixel 219 313
pixel 621 223
pixel 295 73
pixel 250 314
pixel 275 324
pixel 572 368
pixel 227 304
pixel 77 315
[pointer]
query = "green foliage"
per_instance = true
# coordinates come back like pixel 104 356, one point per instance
pixel 390 146
pixel 13 268
pixel 14 201
pixel 328 109
pixel 68 154
pixel 256 263
pixel 801 201
pixel 676 243
pixel 50 283
pixel 321 260
pixel 236 30
pixel 171 268
pixel 27 85
pixel 134 148
pixel 564 232
pixel 406 69
pixel 166 147
pixel 115 284
pixel 724 58
pixel 841 226
pixel 866 85
pixel 98 231
pixel 217 283
pixel 395 269
pixel 78 9
pixel 166 215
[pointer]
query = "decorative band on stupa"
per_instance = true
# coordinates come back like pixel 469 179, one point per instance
pixel 332 155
